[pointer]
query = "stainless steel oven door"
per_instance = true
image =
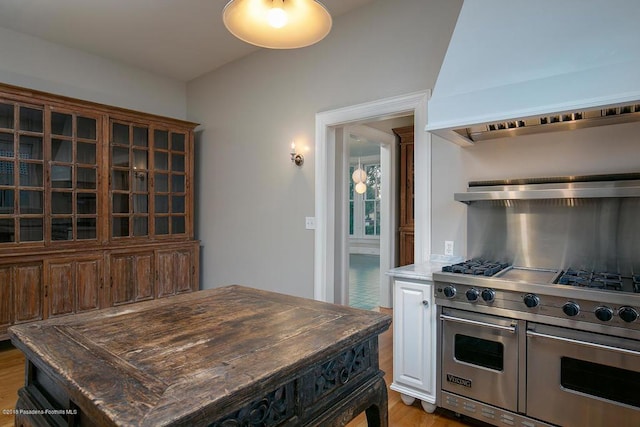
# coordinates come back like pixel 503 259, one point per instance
pixel 480 357
pixel 577 378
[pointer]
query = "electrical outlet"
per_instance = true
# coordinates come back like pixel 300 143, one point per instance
pixel 310 222
pixel 448 247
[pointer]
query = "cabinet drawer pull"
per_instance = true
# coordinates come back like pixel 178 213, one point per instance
pixel 425 303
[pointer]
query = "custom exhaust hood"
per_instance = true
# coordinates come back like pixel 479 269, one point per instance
pixel 516 67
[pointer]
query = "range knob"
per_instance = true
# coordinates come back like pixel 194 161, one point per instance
pixel 571 309
pixel 488 295
pixel 604 314
pixel 472 295
pixel 628 314
pixel 531 300
pixel 449 291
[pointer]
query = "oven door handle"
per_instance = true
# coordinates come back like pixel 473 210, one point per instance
pixel 584 343
pixel 511 329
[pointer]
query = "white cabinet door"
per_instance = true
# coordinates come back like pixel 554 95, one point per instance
pixel 414 341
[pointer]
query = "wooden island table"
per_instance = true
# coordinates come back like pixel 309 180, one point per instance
pixel 232 356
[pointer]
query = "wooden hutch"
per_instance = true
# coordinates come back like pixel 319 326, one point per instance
pixel 406 223
pixel 96 207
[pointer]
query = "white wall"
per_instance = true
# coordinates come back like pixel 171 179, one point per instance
pixel 251 201
pixel 37 64
pixel 603 150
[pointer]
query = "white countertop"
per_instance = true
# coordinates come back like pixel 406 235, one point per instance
pixel 423 271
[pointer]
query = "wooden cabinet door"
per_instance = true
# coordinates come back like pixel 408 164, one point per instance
pixel 60 288
pixel 21 293
pixel 405 134
pixel 407 199
pixel 175 271
pixel 6 299
pixel 407 188
pixel 73 286
pixel 27 291
pixel 407 245
pixel 88 281
pixel 131 277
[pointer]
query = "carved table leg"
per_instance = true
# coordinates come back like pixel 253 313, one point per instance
pixel 378 412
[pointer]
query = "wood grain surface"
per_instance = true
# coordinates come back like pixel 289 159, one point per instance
pixel 400 415
pixel 190 357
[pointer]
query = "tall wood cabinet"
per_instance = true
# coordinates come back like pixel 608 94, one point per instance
pixel 406 223
pixel 96 206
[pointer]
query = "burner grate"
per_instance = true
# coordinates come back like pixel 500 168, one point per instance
pixel 596 280
pixel 476 267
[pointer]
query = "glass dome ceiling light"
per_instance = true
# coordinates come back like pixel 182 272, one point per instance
pixel 277 24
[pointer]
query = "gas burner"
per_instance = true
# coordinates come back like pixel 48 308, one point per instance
pixel 595 280
pixel 476 267
pixel 575 277
pixel 607 275
pixel 577 273
pixel 568 279
pixel 611 281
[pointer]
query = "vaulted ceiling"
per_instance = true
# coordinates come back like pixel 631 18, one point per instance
pixel 180 39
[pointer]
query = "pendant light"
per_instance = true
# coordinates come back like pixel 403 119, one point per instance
pixel 359 177
pixel 277 24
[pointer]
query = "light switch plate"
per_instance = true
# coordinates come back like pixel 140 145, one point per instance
pixel 310 222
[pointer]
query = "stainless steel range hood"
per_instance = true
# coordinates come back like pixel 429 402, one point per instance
pixel 567 188
pixel 520 67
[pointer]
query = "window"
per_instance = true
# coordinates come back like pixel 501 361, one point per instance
pixel 364 209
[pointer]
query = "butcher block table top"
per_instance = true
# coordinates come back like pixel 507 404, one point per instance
pixel 215 357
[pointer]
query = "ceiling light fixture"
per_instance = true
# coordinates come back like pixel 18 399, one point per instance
pixel 277 24
pixel 359 177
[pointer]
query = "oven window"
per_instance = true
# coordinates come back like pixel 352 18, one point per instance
pixel 479 352
pixel 607 382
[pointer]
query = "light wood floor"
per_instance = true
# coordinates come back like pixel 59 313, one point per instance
pixel 400 415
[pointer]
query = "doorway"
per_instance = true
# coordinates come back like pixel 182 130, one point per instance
pixel 331 249
pixel 372 199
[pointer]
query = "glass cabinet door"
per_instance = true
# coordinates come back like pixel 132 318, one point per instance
pixel 129 180
pixel 21 173
pixel 72 173
pixel 73 176
pixel 148 181
pixel 170 181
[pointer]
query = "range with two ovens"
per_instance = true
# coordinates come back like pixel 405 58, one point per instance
pixel 540 327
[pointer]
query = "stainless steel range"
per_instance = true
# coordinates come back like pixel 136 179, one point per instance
pixel 545 330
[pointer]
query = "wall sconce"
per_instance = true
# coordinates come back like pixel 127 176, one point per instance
pixel 296 158
pixel 139 175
